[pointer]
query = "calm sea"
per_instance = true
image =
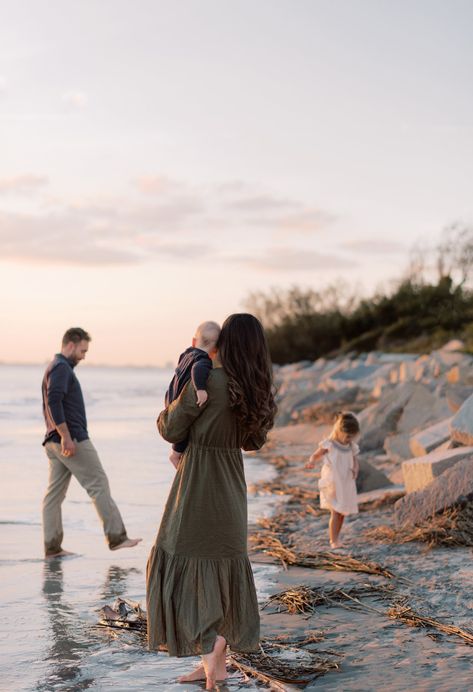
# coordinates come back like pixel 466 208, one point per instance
pixel 48 637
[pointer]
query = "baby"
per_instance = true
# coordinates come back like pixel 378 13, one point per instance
pixel 194 364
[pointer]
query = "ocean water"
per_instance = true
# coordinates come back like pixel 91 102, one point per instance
pixel 48 634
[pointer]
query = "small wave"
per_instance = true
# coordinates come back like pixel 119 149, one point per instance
pixel 12 522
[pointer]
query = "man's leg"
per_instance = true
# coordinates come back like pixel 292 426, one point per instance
pixel 86 467
pixel 59 479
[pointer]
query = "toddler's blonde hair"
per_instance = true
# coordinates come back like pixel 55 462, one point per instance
pixel 346 422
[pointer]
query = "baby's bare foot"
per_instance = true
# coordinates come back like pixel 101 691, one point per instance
pixel 127 543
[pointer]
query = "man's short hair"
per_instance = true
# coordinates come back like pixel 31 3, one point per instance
pixel 75 334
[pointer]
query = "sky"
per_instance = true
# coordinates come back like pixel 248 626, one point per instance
pixel 161 160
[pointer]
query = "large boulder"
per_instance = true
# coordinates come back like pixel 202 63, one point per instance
pixel 422 408
pixel 370 478
pixel 380 419
pixel 420 471
pixel 424 441
pixel 454 486
pixel 397 447
pixel 456 395
pixel 462 423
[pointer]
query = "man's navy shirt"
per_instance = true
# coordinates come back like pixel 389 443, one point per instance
pixel 63 401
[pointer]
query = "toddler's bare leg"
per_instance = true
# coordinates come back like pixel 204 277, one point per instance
pixel 334 527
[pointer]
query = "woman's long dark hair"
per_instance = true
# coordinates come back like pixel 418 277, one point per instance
pixel 244 354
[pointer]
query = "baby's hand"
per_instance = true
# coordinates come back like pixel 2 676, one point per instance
pixel 309 464
pixel 175 458
pixel 202 397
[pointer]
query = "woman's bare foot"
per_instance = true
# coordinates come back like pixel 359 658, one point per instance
pixel 197 674
pixel 61 553
pixel 215 663
pixel 127 543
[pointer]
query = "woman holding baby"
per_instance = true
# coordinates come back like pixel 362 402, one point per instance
pixel 200 590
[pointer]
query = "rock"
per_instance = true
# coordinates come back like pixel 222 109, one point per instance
pixel 454 486
pixel 397 447
pixel 327 404
pixel 420 471
pixel 380 419
pixel 460 374
pixel 421 409
pixel 456 395
pixel 454 345
pixel 462 423
pixel 370 478
pixel 423 442
pixel 294 402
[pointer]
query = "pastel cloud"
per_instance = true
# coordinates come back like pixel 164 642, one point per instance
pixel 375 247
pixel 22 184
pixel 75 99
pixel 290 259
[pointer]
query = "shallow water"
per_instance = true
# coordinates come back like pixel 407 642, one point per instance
pixel 48 634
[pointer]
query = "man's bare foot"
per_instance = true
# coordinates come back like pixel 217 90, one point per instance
pixel 127 543
pixel 213 663
pixel 60 553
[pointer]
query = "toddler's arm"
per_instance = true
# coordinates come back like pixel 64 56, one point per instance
pixel 200 374
pixel 356 466
pixel 315 457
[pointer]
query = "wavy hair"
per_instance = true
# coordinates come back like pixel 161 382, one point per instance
pixel 244 354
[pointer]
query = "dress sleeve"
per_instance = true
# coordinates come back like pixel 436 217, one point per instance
pixel 176 420
pixel 325 444
pixel 355 448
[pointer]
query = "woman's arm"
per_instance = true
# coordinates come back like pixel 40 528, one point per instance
pixel 174 422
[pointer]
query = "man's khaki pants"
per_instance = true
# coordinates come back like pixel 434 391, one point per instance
pixel 86 467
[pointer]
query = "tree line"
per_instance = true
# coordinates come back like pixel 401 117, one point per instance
pixel 431 304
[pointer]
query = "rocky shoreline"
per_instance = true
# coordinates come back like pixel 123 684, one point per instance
pixel 403 619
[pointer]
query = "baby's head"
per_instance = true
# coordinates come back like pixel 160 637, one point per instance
pixel 206 337
pixel 346 427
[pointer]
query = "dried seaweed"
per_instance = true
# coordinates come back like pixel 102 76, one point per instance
pixel 271 544
pixel 452 527
pixel 271 667
pixel 294 492
pixel 305 599
pixel 405 614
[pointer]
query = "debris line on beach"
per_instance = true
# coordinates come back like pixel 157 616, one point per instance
pixel 452 527
pixel 273 546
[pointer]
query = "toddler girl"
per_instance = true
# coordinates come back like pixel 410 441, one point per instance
pixel 339 470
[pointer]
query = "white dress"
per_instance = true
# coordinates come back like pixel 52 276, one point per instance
pixel 336 485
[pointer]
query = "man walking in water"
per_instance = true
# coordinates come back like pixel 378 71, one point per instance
pixel 70 452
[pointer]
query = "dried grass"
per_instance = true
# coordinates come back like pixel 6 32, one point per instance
pixel 405 614
pixel 452 527
pixel 270 544
pixel 305 599
pixel 273 669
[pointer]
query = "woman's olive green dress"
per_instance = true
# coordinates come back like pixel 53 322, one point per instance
pixel 199 578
